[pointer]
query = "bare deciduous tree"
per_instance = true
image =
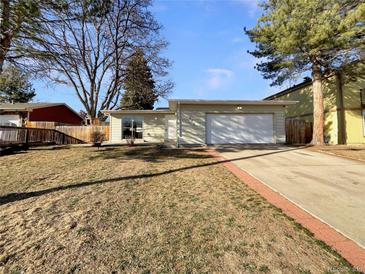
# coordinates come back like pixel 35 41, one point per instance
pixel 90 45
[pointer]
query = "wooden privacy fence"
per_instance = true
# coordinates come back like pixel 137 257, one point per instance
pixel 84 133
pixel 16 136
pixel 298 131
pixel 49 125
pixel 80 132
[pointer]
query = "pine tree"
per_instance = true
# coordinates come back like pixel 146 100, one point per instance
pixel 296 36
pixel 15 86
pixel 139 86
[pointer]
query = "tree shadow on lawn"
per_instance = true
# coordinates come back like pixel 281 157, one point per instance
pixel 149 153
pixel 13 197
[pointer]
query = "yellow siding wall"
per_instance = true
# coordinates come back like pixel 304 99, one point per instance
pixel 304 109
pixel 331 128
pixel 193 120
pixel 352 104
pixel 353 113
pixel 355 127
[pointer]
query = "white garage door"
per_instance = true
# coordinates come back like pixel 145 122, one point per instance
pixel 240 129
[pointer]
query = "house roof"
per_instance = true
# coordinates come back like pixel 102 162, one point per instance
pixel 27 107
pixel 289 90
pixel 174 102
pixel 229 102
pixel 138 111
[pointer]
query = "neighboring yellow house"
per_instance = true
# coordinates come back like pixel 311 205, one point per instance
pixel 344 107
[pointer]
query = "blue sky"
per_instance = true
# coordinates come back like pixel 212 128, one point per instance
pixel 208 49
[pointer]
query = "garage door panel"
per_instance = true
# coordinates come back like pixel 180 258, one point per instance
pixel 239 128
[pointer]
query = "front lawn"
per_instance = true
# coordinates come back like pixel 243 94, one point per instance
pixel 356 152
pixel 142 209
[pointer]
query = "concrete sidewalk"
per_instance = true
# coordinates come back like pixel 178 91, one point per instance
pixel 328 187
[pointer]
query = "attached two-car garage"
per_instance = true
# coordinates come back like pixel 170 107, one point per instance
pixel 208 122
pixel 239 128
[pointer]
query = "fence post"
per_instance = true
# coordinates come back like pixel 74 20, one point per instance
pixel 26 138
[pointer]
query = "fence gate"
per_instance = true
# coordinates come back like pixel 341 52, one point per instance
pixel 298 131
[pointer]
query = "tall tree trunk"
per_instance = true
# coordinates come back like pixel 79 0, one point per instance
pixel 92 114
pixel 318 109
pixel 342 135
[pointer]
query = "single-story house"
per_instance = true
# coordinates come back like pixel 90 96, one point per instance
pixel 18 113
pixel 202 122
pixel 344 107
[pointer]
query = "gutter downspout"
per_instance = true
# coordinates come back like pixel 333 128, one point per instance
pixel 178 128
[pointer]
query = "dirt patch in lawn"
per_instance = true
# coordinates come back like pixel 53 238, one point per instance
pixel 356 152
pixel 143 209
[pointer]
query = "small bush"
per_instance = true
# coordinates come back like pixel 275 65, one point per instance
pixel 97 137
pixel 130 141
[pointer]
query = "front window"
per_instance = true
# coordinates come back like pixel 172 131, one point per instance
pixel 132 127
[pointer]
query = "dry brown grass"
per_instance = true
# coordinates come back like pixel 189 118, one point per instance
pixel 356 152
pixel 143 209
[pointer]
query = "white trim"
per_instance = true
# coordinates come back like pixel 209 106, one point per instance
pixel 131 112
pixel 231 102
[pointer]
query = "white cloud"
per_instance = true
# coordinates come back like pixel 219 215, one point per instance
pixel 237 40
pixel 218 77
pixel 158 6
pixel 251 5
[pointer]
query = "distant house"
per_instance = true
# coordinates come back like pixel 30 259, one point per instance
pixel 18 113
pixel 344 107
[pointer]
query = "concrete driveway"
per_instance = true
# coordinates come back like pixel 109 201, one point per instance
pixel 329 187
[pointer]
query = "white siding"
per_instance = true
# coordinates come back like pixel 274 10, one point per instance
pixel 191 126
pixel 115 128
pixel 171 127
pixel 154 127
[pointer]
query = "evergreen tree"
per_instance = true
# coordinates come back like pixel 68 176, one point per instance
pixel 139 86
pixel 296 36
pixel 15 86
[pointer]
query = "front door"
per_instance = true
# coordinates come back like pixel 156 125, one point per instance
pixel 170 127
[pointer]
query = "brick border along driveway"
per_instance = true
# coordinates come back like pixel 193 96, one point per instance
pixel 344 246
